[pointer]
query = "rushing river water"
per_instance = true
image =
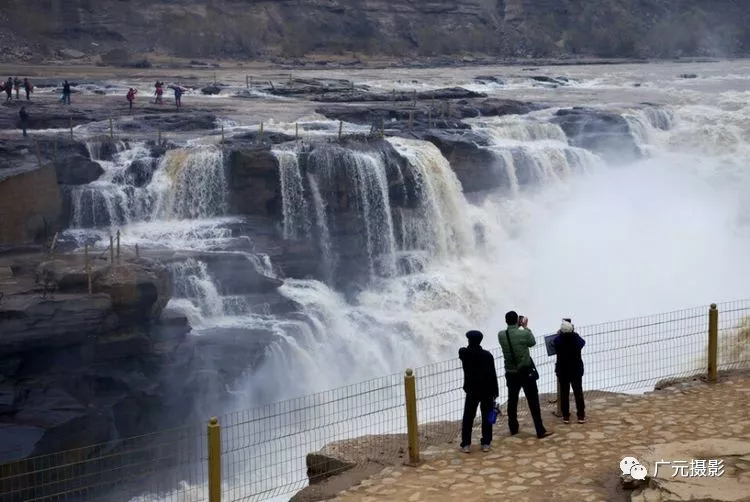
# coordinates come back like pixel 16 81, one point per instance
pixel 592 240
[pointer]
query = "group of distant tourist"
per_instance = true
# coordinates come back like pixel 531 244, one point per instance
pixel 481 382
pixel 16 84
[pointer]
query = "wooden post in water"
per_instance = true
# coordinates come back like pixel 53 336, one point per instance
pixel 87 263
pixel 70 126
pixel 341 127
pixel 222 133
pixel 111 250
pixel 393 94
pixel 296 131
pixel 247 81
pixel 118 245
pixel 137 251
pixel 111 130
pixel 261 130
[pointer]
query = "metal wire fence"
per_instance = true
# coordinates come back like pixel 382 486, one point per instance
pixel 270 452
pixel 137 469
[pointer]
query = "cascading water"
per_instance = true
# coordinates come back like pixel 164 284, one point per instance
pixel 532 151
pixel 610 244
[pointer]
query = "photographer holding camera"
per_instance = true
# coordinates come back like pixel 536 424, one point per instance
pixel 520 371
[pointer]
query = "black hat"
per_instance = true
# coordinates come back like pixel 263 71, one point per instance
pixel 474 334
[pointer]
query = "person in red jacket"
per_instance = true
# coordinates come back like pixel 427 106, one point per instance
pixel 131 97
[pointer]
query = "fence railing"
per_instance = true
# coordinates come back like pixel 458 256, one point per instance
pixel 275 450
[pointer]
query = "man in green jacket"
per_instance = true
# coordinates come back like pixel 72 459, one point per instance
pixel 515 342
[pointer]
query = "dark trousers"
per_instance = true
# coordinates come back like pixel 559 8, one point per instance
pixel 566 382
pixel 23 127
pixel 531 391
pixel 27 95
pixel 470 412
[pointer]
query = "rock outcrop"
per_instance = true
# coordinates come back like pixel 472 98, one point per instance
pixel 78 369
pixel 25 219
pixel 251 28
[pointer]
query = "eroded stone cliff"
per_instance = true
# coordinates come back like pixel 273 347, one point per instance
pixel 296 28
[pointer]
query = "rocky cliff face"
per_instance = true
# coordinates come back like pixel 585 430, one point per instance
pixel 295 28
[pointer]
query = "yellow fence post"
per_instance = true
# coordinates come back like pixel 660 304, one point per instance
pixel 559 398
pixel 713 342
pixel 214 460
pixel 412 425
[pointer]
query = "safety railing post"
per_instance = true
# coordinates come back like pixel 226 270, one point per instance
pixel 713 343
pixel 118 245
pixel 214 460
pixel 412 424
pixel 111 250
pixel 559 398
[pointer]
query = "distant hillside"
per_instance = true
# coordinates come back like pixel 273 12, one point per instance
pixel 30 29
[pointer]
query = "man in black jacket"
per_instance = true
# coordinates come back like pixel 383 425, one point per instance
pixel 480 385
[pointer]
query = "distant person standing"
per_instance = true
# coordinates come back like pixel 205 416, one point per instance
pixel 24 116
pixel 66 93
pixel 569 369
pixel 28 88
pixel 131 97
pixel 480 385
pixel 9 89
pixel 178 96
pixel 520 372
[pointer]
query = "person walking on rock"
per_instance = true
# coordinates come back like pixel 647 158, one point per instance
pixel 24 116
pixel 480 386
pixel 178 95
pixel 569 369
pixel 9 89
pixel 520 372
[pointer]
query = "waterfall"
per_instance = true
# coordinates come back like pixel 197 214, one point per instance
pixel 294 204
pixel 441 226
pixel 532 151
pixel 194 285
pixel 187 183
pixel 321 222
pixel 364 173
pixel 190 183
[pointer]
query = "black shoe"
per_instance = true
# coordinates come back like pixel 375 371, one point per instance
pixel 545 435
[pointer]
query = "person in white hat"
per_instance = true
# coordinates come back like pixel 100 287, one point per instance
pixel 569 369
